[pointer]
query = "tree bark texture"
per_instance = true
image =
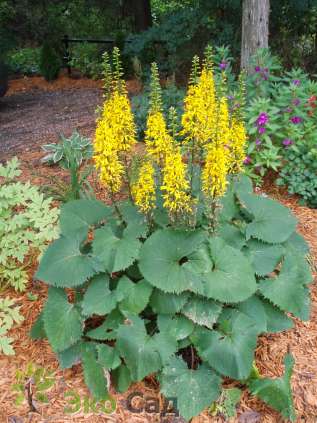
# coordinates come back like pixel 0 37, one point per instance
pixel 255 29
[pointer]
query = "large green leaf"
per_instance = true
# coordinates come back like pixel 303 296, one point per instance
pixel 287 290
pixel 98 298
pixel 169 260
pixel 265 257
pixel 79 215
pixel 134 296
pixel 37 330
pixel 64 265
pixel 277 392
pixel 202 311
pixel 194 389
pixel 267 317
pixel 179 327
pixel 297 242
pixel 163 303
pixel 276 320
pixel 122 378
pixel 272 222
pixel 94 375
pixel 230 349
pixel 71 356
pixel 116 253
pixel 108 356
pixel 232 235
pixel 138 349
pixel 107 330
pixel 231 277
pixel 62 321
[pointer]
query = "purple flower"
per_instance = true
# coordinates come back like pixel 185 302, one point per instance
pixel 288 110
pixel 296 82
pixel 262 119
pixel 258 142
pixel 257 69
pixel 287 142
pixel 266 70
pixel 223 65
pixel 296 101
pixel 230 97
pixel 296 120
pixel 247 160
pixel 261 130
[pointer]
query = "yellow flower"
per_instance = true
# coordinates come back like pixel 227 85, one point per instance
pixel 223 123
pixel 111 170
pixel 237 146
pixel 143 190
pixel 175 186
pixel 157 139
pixel 115 135
pixel 199 117
pixel 214 172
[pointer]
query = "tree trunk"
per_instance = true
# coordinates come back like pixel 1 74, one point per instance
pixel 140 11
pixel 255 29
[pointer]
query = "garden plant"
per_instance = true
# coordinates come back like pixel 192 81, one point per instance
pixel 185 267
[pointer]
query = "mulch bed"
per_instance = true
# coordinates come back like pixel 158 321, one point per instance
pixel 301 341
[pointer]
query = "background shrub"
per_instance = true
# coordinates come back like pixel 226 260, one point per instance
pixel 50 61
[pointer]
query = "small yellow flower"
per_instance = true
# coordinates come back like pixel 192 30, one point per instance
pixel 199 118
pixel 214 172
pixel 157 139
pixel 175 186
pixel 223 123
pixel 143 190
pixel 237 146
pixel 115 135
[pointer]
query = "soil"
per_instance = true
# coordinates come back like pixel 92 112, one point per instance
pixel 35 112
pixel 301 341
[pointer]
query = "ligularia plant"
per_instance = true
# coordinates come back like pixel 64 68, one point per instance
pixel 181 276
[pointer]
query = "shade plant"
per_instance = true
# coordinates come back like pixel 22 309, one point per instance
pixel 184 268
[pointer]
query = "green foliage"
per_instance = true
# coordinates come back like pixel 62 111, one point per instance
pixel 85 57
pixel 9 314
pixel 41 380
pixel 71 154
pixel 277 392
pixel 25 61
pixel 182 303
pixel 299 173
pixel 27 223
pixel 227 402
pixel 50 61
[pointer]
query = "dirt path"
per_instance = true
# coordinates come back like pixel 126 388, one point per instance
pixel 35 112
pixel 30 119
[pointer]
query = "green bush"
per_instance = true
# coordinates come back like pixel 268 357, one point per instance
pixel 299 173
pixel 71 154
pixel 87 59
pixel 27 223
pixel 186 304
pixel 25 61
pixel 50 61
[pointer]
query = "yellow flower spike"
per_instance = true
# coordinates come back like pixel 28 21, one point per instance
pixel 237 146
pixel 157 139
pixel 214 172
pixel 143 191
pixel 223 123
pixel 199 117
pixel 111 171
pixel 115 135
pixel 175 186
